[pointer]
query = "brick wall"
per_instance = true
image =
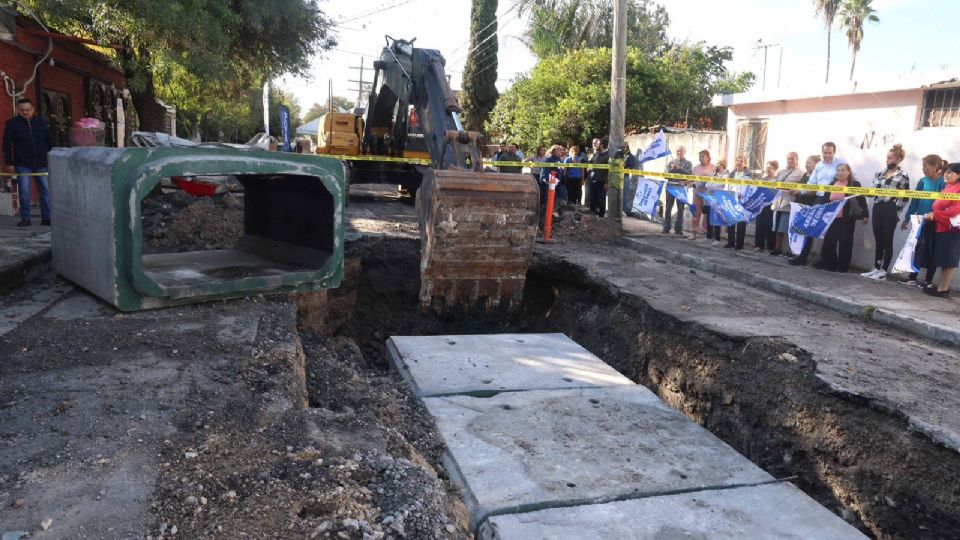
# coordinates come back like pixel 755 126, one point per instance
pixel 71 64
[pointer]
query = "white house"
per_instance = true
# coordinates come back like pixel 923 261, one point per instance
pixel 922 113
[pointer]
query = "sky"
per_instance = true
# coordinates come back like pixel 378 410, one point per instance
pixel 912 37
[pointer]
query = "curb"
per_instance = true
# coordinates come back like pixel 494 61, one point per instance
pixel 23 270
pixel 936 332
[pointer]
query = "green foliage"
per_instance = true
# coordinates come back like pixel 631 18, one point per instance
pixel 853 14
pixel 567 97
pixel 205 57
pixel 480 73
pixel 558 26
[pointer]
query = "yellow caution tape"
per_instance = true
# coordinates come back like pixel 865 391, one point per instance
pixel 24 174
pixel 385 159
pixel 793 186
pixel 616 167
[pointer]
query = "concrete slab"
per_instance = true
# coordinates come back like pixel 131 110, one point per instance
pixel 522 451
pixel 482 365
pixel 767 511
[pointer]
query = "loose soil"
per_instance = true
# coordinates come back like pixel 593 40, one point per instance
pixel 578 224
pixel 176 221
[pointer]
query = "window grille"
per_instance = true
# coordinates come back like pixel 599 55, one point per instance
pixel 941 108
pixel 752 142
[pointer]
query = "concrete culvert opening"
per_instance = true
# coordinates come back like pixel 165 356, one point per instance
pixel 759 395
pixel 266 228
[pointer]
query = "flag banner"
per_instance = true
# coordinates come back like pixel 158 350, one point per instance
pixel 266 107
pixel 813 221
pixel 285 127
pixel 657 149
pixel 724 208
pixel 755 198
pixel 794 237
pixel 904 262
pixel 648 196
pixel 681 193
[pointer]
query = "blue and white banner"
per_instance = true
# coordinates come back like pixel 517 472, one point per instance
pixel 813 221
pixel 285 127
pixel 794 237
pixel 724 208
pixel 648 196
pixel 904 262
pixel 755 198
pixel 657 149
pixel 681 193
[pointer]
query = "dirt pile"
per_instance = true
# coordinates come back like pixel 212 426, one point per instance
pixel 362 461
pixel 575 224
pixel 176 221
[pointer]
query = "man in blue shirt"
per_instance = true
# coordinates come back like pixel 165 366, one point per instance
pixel 26 141
pixel 823 175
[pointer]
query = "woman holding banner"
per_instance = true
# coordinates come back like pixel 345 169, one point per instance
pixel 933 167
pixel 737 233
pixel 838 242
pixel 713 231
pixel 946 250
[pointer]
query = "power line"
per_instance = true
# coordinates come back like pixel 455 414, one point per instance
pixel 473 50
pixel 375 12
pixel 495 20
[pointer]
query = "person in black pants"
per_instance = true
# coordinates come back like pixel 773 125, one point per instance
pixel 736 233
pixel 763 234
pixel 806 198
pixel 886 212
pixel 838 243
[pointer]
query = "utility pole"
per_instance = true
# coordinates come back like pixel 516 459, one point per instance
pixel 361 84
pixel 766 46
pixel 618 105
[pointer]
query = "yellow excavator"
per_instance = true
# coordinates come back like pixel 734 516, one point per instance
pixel 477 228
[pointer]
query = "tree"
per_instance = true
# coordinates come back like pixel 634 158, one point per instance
pixel 196 54
pixel 557 26
pixel 853 15
pixel 828 10
pixel 317 110
pixel 568 97
pixel 480 73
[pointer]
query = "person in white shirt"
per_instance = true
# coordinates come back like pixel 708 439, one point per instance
pixel 781 205
pixel 823 175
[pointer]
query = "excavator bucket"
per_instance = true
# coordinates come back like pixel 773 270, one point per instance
pixel 477 231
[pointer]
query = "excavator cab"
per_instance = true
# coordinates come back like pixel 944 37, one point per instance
pixel 477 229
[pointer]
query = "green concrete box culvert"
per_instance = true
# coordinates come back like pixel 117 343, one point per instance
pixel 293 225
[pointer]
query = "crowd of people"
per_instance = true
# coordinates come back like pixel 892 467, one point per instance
pixel 938 247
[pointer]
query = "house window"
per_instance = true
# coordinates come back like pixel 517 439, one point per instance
pixel 752 142
pixel 941 108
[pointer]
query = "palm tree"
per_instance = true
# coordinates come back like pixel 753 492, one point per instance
pixel 853 14
pixel 828 9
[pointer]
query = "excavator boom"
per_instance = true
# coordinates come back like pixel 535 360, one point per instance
pixel 477 228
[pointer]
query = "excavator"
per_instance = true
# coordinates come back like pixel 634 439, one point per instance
pixel 477 228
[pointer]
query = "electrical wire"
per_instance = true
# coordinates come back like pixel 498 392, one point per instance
pixel 10 85
pixel 375 12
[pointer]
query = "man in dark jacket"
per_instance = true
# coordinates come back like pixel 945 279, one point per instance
pixel 598 178
pixel 26 141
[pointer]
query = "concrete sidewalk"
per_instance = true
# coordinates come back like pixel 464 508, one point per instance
pixel 24 252
pixel 885 302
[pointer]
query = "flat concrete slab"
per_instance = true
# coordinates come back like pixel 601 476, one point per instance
pixel 767 511
pixel 522 451
pixel 482 365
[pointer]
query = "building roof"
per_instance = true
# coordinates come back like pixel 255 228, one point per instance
pixel 845 88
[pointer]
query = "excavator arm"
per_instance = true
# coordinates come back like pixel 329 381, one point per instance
pixel 406 76
pixel 477 229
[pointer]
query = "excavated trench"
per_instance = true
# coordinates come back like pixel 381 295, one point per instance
pixel 760 395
